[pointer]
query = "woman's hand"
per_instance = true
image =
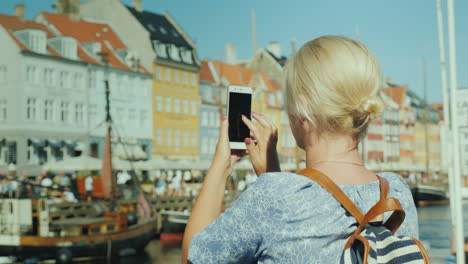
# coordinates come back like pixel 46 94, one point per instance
pixel 225 158
pixel 263 155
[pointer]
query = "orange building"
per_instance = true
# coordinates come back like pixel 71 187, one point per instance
pixel 407 124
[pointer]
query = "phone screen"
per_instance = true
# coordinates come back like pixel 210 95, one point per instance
pixel 239 104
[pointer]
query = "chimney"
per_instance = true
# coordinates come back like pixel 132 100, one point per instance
pixel 293 47
pixel 231 53
pixel 70 8
pixel 137 5
pixel 275 48
pixel 19 11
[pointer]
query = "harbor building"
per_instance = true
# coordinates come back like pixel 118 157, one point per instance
pixel 129 82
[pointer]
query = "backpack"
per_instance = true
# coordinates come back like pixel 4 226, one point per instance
pixel 374 242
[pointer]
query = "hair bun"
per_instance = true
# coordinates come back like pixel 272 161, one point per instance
pixel 372 106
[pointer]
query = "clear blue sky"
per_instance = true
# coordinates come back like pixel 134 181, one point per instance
pixel 400 32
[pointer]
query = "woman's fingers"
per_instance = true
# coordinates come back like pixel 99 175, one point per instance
pixel 252 150
pixel 265 122
pixel 251 126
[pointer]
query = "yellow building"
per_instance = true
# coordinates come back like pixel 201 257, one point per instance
pixel 175 87
pixel 175 112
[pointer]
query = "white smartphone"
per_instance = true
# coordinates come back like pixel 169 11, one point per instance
pixel 239 103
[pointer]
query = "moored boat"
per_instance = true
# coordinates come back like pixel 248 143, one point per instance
pixel 427 195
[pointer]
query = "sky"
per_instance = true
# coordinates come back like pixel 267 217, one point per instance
pixel 400 32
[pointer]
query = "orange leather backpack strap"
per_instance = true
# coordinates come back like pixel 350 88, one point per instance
pixel 334 190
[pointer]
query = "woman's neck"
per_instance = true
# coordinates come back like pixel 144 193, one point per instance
pixel 338 157
pixel 332 148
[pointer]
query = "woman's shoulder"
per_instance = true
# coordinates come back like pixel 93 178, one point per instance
pixel 283 184
pixel 396 182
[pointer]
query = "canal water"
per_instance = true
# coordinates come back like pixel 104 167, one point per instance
pixel 434 230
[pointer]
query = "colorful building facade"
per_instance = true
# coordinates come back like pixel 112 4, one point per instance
pixel 175 92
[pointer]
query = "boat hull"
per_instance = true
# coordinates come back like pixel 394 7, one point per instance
pixel 428 195
pixel 121 243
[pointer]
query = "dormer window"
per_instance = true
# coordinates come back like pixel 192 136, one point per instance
pixel 174 53
pixel 186 55
pixel 66 46
pixel 163 30
pixel 160 49
pixel 34 39
pixel 151 27
pixel 174 33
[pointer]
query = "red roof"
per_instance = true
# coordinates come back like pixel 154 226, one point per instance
pixel 397 93
pixel 82 31
pixel 235 75
pixel 205 72
pixel 89 32
pixel 85 31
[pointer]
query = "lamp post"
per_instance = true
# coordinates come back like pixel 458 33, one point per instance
pixel 459 234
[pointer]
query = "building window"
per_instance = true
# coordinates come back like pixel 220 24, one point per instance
pixel 159 103
pixel 204 119
pixel 79 114
pixel 3 109
pixel 48 110
pixel 185 106
pixel 194 139
pixel 168 74
pixel 143 118
pixel 193 80
pixel 176 138
pixel 212 120
pixel 176 105
pixel 132 115
pixel 186 138
pixel 29 73
pixel 159 136
pixel 31 109
pixel 92 79
pixel 168 104
pixel 204 145
pixel 194 107
pixel 218 118
pixel 157 73
pixel 64 112
pixel 3 73
pixel 168 137
pixel 92 108
pixel 176 76
pixel 184 78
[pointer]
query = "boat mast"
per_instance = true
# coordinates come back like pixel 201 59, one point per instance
pixel 109 182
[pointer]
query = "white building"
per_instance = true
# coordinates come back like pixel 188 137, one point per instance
pixel 52 96
pixel 130 87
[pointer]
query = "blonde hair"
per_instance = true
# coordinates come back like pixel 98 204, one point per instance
pixel 333 82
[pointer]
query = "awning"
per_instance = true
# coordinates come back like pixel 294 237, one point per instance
pixel 56 143
pixel 74 164
pixel 128 152
pixel 38 143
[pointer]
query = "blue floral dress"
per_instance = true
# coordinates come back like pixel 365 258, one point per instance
pixel 288 218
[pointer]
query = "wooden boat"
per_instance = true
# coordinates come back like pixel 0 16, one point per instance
pixel 42 229
pixel 29 230
pixel 426 195
pixel 173 227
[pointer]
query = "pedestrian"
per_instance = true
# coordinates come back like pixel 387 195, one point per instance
pixel 69 196
pixel 64 180
pixel 160 186
pixel 89 187
pixel 332 87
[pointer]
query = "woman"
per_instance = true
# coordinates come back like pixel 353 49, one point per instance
pixel 331 96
